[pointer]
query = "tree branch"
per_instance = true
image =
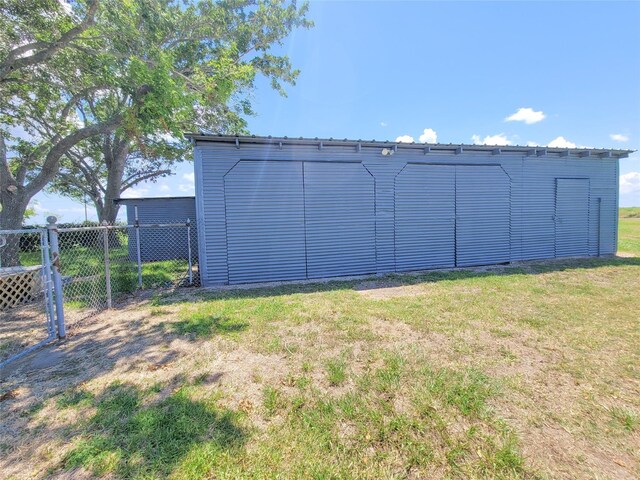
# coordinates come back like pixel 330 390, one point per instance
pixel 52 160
pixel 6 177
pixel 141 177
pixel 16 62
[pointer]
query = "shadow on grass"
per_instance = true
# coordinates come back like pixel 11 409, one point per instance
pixel 131 437
pixel 203 325
pixel 402 279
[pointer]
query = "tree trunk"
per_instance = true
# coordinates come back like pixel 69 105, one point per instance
pixel 115 154
pixel 14 206
pixel 117 160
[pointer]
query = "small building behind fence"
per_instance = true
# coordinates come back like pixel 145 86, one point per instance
pixel 160 210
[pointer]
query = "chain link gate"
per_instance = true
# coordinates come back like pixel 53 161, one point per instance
pixel 27 313
pixel 51 278
pixel 103 264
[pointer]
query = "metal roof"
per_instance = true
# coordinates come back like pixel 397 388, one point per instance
pixel 139 199
pixel 435 148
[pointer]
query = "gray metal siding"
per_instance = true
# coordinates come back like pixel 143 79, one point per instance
pixel 264 207
pixel 199 180
pixel 425 203
pixel 340 221
pixel 164 243
pixel 384 173
pixel 532 194
pixel 483 209
pixel 572 217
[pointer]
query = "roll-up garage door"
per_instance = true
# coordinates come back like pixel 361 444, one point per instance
pixel 572 217
pixel 425 217
pixel 340 219
pixel 265 221
pixel 483 205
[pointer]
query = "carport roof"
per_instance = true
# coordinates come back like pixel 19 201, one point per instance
pixel 436 148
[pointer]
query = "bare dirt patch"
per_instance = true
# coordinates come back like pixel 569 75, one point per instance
pixel 22 327
pixel 381 289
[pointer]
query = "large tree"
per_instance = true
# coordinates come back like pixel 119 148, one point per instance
pixel 210 53
pixel 129 70
pixel 102 168
pixel 40 82
pixel 125 71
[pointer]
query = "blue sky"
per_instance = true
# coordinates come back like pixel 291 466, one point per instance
pixel 569 72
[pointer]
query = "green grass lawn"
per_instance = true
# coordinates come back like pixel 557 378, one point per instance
pixel 509 373
pixel 83 269
pixel 630 212
pixel 513 372
pixel 629 230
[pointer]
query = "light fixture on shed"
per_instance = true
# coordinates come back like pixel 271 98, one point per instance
pixel 387 151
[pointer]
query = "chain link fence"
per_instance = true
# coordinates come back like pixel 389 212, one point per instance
pixel 101 265
pixel 26 299
pixel 52 278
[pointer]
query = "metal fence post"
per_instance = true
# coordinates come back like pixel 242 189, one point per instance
pixel 57 277
pixel 107 269
pixel 48 283
pixel 599 220
pixel 138 256
pixel 189 251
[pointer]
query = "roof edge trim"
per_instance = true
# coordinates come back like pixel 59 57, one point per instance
pixel 433 148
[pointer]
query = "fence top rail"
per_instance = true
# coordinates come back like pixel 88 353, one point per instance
pixel 22 231
pixel 117 227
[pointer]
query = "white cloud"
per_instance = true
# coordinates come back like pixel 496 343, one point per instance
pixel 190 177
pixel 499 139
pixel 532 144
pixel 429 135
pixel 526 115
pixel 405 139
pixel 630 183
pixel 188 187
pixel 383 124
pixel 561 142
pixel 135 192
pixel 619 137
pixel 164 187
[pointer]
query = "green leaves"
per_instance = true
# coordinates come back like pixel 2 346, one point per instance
pixel 135 69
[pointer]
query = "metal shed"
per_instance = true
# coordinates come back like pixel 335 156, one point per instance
pixel 283 209
pixel 161 243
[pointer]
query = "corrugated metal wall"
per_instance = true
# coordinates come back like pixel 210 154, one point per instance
pixel 272 212
pixel 265 221
pixel 156 211
pixel 425 217
pixel 572 217
pixel 339 208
